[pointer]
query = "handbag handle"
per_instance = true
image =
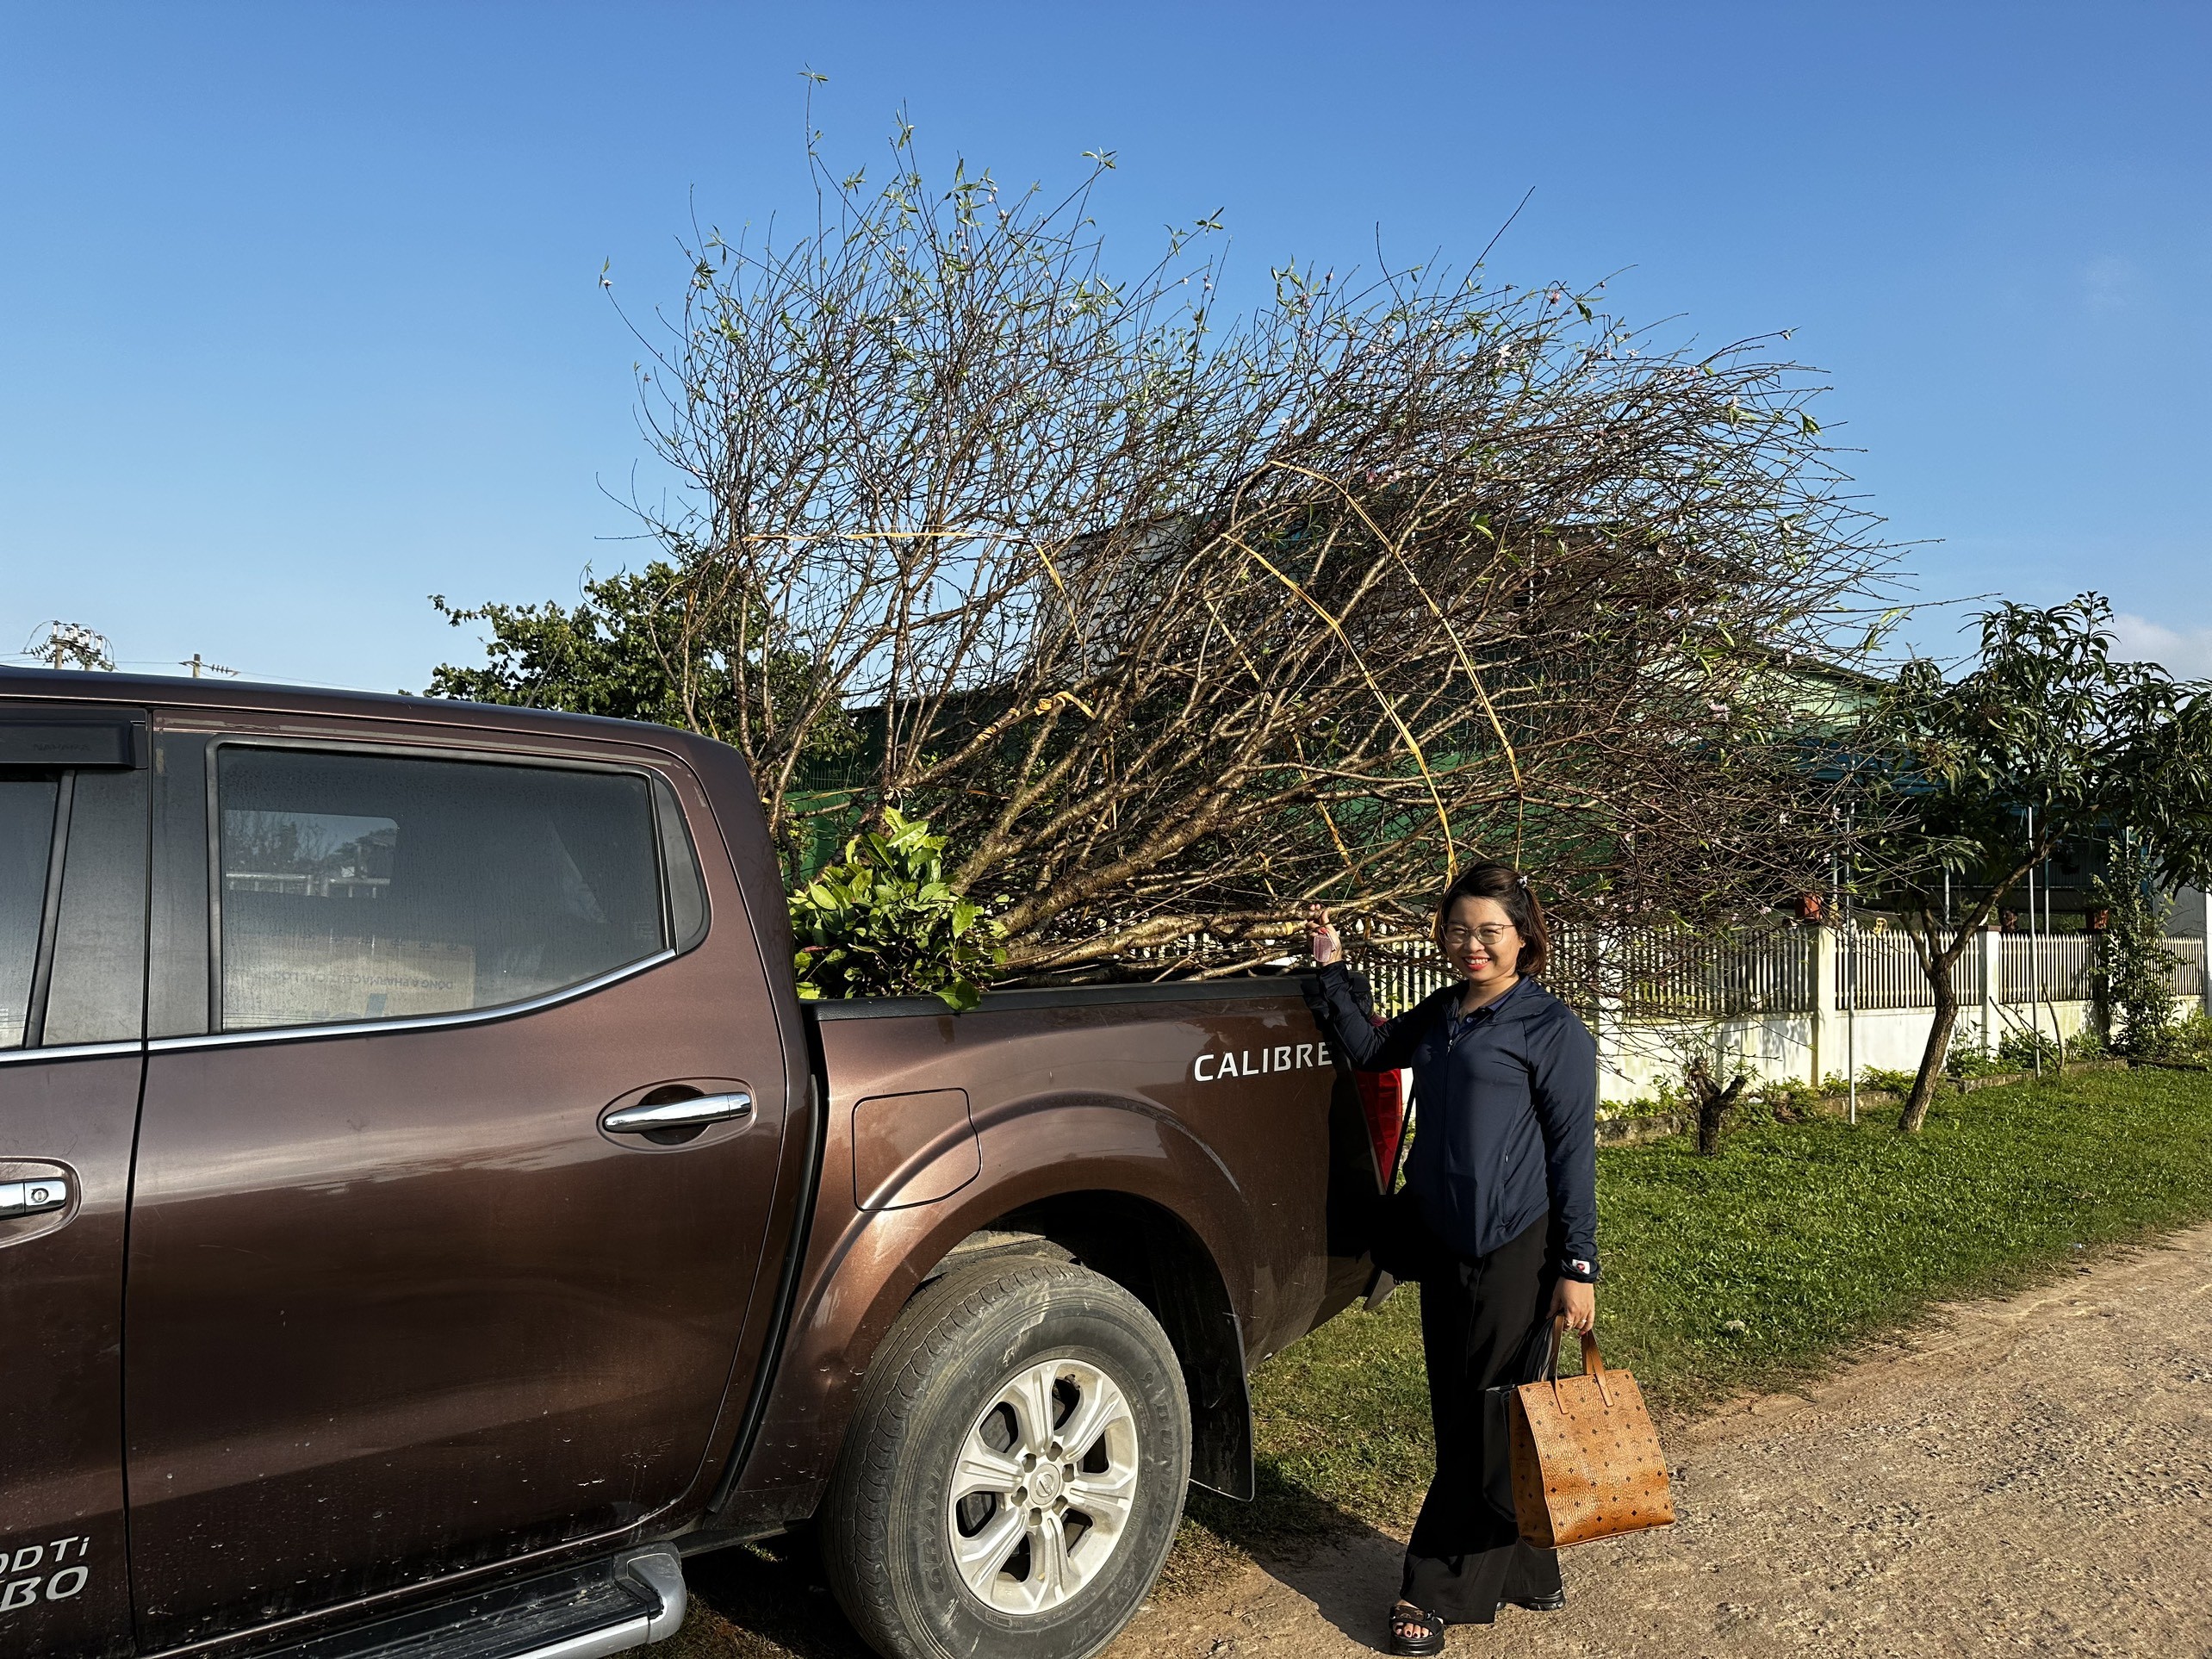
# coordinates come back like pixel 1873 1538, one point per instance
pixel 1593 1365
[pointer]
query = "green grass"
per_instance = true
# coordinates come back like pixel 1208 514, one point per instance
pixel 1809 1236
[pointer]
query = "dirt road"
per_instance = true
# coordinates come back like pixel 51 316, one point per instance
pixel 2028 1475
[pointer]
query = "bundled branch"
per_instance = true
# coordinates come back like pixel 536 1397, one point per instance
pixel 1174 625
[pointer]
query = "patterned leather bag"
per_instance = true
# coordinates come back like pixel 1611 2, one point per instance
pixel 1587 1463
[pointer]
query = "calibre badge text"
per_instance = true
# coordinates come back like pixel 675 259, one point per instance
pixel 1258 1062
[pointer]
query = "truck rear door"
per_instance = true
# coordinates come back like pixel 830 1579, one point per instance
pixel 73 941
pixel 402 1300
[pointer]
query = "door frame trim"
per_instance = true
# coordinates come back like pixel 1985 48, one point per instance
pixel 70 1051
pixel 414 1022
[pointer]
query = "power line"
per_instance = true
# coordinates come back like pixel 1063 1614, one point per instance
pixel 65 643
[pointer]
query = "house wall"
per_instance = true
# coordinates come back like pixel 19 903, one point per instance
pixel 2186 914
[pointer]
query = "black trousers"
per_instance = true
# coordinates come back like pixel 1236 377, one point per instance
pixel 1465 1559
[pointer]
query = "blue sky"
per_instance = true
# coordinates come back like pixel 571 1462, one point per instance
pixel 300 321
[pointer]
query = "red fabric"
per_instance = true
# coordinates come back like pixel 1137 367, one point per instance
pixel 1382 1102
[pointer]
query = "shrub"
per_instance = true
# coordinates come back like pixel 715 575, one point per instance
pixel 2135 968
pixel 1888 1081
pixel 2188 1039
pixel 2025 1048
pixel 884 924
pixel 1667 1098
pixel 1973 1063
pixel 1786 1098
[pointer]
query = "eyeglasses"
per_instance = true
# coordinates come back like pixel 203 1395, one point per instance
pixel 1492 936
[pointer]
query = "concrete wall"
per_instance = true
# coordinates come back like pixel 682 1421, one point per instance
pixel 1635 1060
pixel 1829 1041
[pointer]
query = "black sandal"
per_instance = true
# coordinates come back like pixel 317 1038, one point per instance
pixel 1415 1633
pixel 1551 1603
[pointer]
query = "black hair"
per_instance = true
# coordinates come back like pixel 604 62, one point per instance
pixel 1510 888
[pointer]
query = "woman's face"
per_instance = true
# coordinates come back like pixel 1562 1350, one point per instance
pixel 1480 940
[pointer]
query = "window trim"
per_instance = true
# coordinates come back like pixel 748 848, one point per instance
pixel 71 1051
pixel 415 1021
pixel 34 1005
pixel 215 1036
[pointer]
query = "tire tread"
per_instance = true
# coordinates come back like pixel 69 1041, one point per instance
pixel 929 1332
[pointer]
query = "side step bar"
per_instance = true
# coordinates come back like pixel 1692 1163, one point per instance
pixel 604 1607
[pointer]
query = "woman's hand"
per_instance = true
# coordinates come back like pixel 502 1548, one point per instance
pixel 1579 1301
pixel 1321 939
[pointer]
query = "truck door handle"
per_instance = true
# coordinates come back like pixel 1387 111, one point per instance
pixel 695 1113
pixel 48 1192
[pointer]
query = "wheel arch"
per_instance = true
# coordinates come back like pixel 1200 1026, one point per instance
pixel 1058 1173
pixel 1150 1251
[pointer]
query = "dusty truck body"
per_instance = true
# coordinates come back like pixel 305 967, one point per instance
pixel 427 1211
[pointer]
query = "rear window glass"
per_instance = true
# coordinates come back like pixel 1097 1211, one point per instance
pixel 365 888
pixel 26 844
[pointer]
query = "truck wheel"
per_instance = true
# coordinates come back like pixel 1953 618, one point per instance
pixel 1014 1472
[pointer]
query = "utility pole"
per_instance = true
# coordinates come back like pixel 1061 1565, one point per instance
pixel 2034 965
pixel 67 643
pixel 196 664
pixel 1851 976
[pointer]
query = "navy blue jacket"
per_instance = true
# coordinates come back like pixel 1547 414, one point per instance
pixel 1508 1105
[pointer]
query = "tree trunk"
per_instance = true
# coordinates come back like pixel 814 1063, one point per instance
pixel 1931 1060
pixel 1713 1105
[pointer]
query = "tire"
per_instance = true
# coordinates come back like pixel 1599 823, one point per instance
pixel 973 1361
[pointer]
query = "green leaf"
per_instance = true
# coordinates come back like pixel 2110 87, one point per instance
pixel 886 922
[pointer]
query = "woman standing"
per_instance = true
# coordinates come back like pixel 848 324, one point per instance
pixel 1503 1171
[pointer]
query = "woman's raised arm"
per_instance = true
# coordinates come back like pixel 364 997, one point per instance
pixel 1347 1026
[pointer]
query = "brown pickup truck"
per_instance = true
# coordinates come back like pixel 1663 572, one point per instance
pixel 428 1212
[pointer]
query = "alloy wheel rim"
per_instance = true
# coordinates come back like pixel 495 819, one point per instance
pixel 1043 1486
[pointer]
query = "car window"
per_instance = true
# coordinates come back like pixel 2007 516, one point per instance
pixel 26 840
pixel 97 989
pixel 680 865
pixel 364 887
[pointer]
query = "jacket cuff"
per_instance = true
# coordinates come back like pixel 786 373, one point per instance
pixel 1581 1269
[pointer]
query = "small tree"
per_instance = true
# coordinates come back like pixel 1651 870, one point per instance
pixel 2135 975
pixel 633 650
pixel 2045 739
pixel 1713 1099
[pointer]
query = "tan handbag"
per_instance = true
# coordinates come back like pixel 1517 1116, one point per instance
pixel 1587 1463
